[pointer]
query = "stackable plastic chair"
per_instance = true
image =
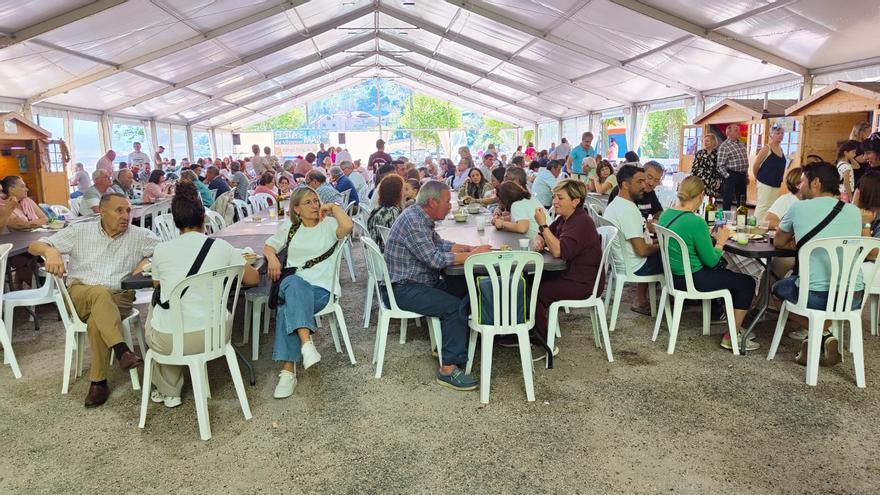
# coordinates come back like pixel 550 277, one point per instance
pixel 387 311
pixel 75 204
pixel 256 315
pixel 242 209
pixel 504 269
pixel 214 222
pixel 261 201
pixel 5 337
pixel 218 284
pixel 61 210
pixel 363 233
pixel 594 302
pixel 163 226
pixel 678 296
pixel 349 210
pixel 845 257
pixel 334 307
pixel 622 274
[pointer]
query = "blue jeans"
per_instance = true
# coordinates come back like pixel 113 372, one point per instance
pixel 437 300
pixel 301 301
pixel 653 265
pixel 75 194
pixel 788 290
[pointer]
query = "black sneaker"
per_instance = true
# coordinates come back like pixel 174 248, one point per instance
pixel 719 319
pixel 457 380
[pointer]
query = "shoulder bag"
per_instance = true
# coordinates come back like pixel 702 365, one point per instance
pixel 812 233
pixel 194 269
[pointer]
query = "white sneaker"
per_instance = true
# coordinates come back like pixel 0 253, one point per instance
pixel 798 335
pixel 286 384
pixel 168 400
pixel 310 355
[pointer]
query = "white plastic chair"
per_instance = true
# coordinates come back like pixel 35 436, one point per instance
pixel 214 222
pixel 623 274
pixel 61 210
pixel 219 284
pixel 74 336
pixel 845 256
pixel 75 204
pixel 678 296
pixel 505 270
pixel 260 201
pixel 382 282
pixel 45 294
pixel 5 338
pixel 242 209
pixel 594 302
pixel 256 315
pixel 349 210
pixel 163 226
pixel 384 232
pixel 363 233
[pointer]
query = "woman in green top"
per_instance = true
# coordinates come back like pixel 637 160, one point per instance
pixel 704 255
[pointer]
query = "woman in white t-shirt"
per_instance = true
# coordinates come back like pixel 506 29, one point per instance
pixel 172 260
pixel 846 157
pixel 519 202
pixel 318 228
pixel 781 266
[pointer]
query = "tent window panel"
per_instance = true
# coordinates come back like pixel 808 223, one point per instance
pixel 756 137
pixel 87 143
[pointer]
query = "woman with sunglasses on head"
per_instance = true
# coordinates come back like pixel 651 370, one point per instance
pixel 768 168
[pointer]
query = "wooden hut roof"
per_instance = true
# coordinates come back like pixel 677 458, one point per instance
pixel 869 92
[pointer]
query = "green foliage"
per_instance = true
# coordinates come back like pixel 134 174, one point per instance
pixel 426 112
pixel 293 119
pixel 528 136
pixel 662 133
pixel 492 131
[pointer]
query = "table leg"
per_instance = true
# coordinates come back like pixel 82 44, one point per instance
pixel 763 304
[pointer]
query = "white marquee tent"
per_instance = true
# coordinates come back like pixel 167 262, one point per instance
pixel 216 65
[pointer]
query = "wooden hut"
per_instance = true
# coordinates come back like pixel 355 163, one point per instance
pixel 754 118
pixel 828 116
pixel 28 151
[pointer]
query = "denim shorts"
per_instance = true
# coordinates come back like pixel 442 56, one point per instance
pixel 787 289
pixel 653 265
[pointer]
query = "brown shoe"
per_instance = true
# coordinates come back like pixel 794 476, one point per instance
pixel 830 352
pixel 97 395
pixel 129 360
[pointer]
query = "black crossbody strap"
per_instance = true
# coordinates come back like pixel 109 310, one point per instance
pixel 676 217
pixel 194 269
pixel 818 228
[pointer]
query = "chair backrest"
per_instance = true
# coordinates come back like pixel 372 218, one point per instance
pixel 345 195
pixel 349 209
pixel 619 255
pixel 607 234
pixel 337 264
pixel 360 227
pixel 844 257
pixel 677 178
pixel 384 232
pixel 261 201
pixel 213 193
pixel 505 270
pixel 664 238
pixel 214 222
pixel 4 255
pixel 377 267
pixel 242 208
pixel 162 207
pixel 75 204
pixel 595 203
pixel 595 212
pixel 163 226
pixel 61 210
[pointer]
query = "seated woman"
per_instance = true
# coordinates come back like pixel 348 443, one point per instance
pixel 390 205
pixel 266 184
pixel 154 190
pixel 521 207
pixel 24 213
pixel 572 237
pixel 311 235
pixel 704 255
pixel 410 191
pixel 780 265
pixel 172 260
pixel 475 188
pixel 604 180
pixel 283 187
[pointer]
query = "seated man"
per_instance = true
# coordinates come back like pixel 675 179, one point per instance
pixel 545 181
pixel 416 255
pixel 205 194
pixel 342 183
pixel 123 183
pixel 643 258
pixel 101 182
pixel 326 193
pixel 215 181
pixel 101 255
pixel 648 203
pixel 818 189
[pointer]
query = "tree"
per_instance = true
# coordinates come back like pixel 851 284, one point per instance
pixel 492 131
pixel 293 119
pixel 529 136
pixel 662 132
pixel 425 114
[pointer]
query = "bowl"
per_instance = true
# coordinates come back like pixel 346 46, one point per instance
pixel 55 225
pixel 473 208
pixel 460 218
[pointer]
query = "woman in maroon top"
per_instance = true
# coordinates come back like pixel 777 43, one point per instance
pixel 572 237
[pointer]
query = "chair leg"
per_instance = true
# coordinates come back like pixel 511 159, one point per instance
pixel 368 302
pixel 855 346
pixel 615 304
pixel 707 315
pixel 381 340
pixel 677 305
pixel 472 350
pixel 436 336
pixel 205 378
pixel 201 400
pixel 652 297
pixel 777 334
pixel 486 364
pixel 334 333
pixel 874 308
pixel 731 324
pixel 340 320
pixel 814 348
pixel 663 311
pixel 253 325
pixel 145 389
pixel 525 357
pixel 248 315
pixel 403 322
pixel 600 314
pixel 552 327
pixel 8 353
pixel 267 315
pixel 346 253
pixel 232 362
pixel 69 349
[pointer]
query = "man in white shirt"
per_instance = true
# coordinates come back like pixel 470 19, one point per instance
pixel 101 182
pixel 642 258
pixel 360 184
pixel 101 254
pixel 138 158
pixel 561 152
pixel 258 164
pixel 106 162
pixel 545 181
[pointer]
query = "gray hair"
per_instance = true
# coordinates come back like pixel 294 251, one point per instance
pixel 655 165
pixel 105 198
pixel 316 175
pixel 430 190
pixel 98 173
pixel 335 171
pixel 235 166
pixel 288 164
pixel 344 164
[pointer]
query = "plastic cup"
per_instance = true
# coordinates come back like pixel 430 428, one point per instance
pixel 523 244
pixel 481 223
pixel 484 240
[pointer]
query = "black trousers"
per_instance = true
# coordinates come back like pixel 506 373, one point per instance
pixel 733 188
pixel 740 285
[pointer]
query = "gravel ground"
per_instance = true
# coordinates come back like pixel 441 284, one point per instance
pixel 699 421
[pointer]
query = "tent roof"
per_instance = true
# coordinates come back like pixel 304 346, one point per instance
pixel 217 61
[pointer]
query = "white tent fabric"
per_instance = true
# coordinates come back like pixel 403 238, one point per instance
pixel 224 63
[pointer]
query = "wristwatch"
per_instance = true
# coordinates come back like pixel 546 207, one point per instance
pixel 541 228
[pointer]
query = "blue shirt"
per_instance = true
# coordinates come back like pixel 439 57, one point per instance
pixel 577 156
pixel 205 193
pixel 542 187
pixel 414 251
pixel 806 214
pixel 343 184
pixel 219 184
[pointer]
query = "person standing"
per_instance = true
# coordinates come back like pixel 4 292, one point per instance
pixel 157 157
pixel 574 163
pixel 733 165
pixel 319 156
pixel 769 169
pixel 138 158
pixel 612 149
pixel 258 163
pixel 105 163
pixel 706 166
pixel 379 157
pixel 562 150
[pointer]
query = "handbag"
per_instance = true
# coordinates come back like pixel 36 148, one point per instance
pixel 194 269
pixel 275 298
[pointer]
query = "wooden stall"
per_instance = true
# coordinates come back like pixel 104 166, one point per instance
pixel 754 118
pixel 28 151
pixel 828 116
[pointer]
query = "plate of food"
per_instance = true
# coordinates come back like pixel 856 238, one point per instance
pixel 248 254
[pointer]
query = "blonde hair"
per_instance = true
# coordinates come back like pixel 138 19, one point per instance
pixel 858 129
pixel 575 189
pixel 793 179
pixel 295 199
pixel 690 188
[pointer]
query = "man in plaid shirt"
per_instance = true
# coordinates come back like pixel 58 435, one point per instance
pixel 416 255
pixel 733 165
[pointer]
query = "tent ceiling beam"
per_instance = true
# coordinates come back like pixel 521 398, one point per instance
pixel 58 21
pixel 167 50
pixel 709 34
pixel 492 52
pixel 251 57
pixel 493 15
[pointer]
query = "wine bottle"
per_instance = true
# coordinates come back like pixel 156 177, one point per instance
pixel 742 211
pixel 280 204
pixel 710 212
